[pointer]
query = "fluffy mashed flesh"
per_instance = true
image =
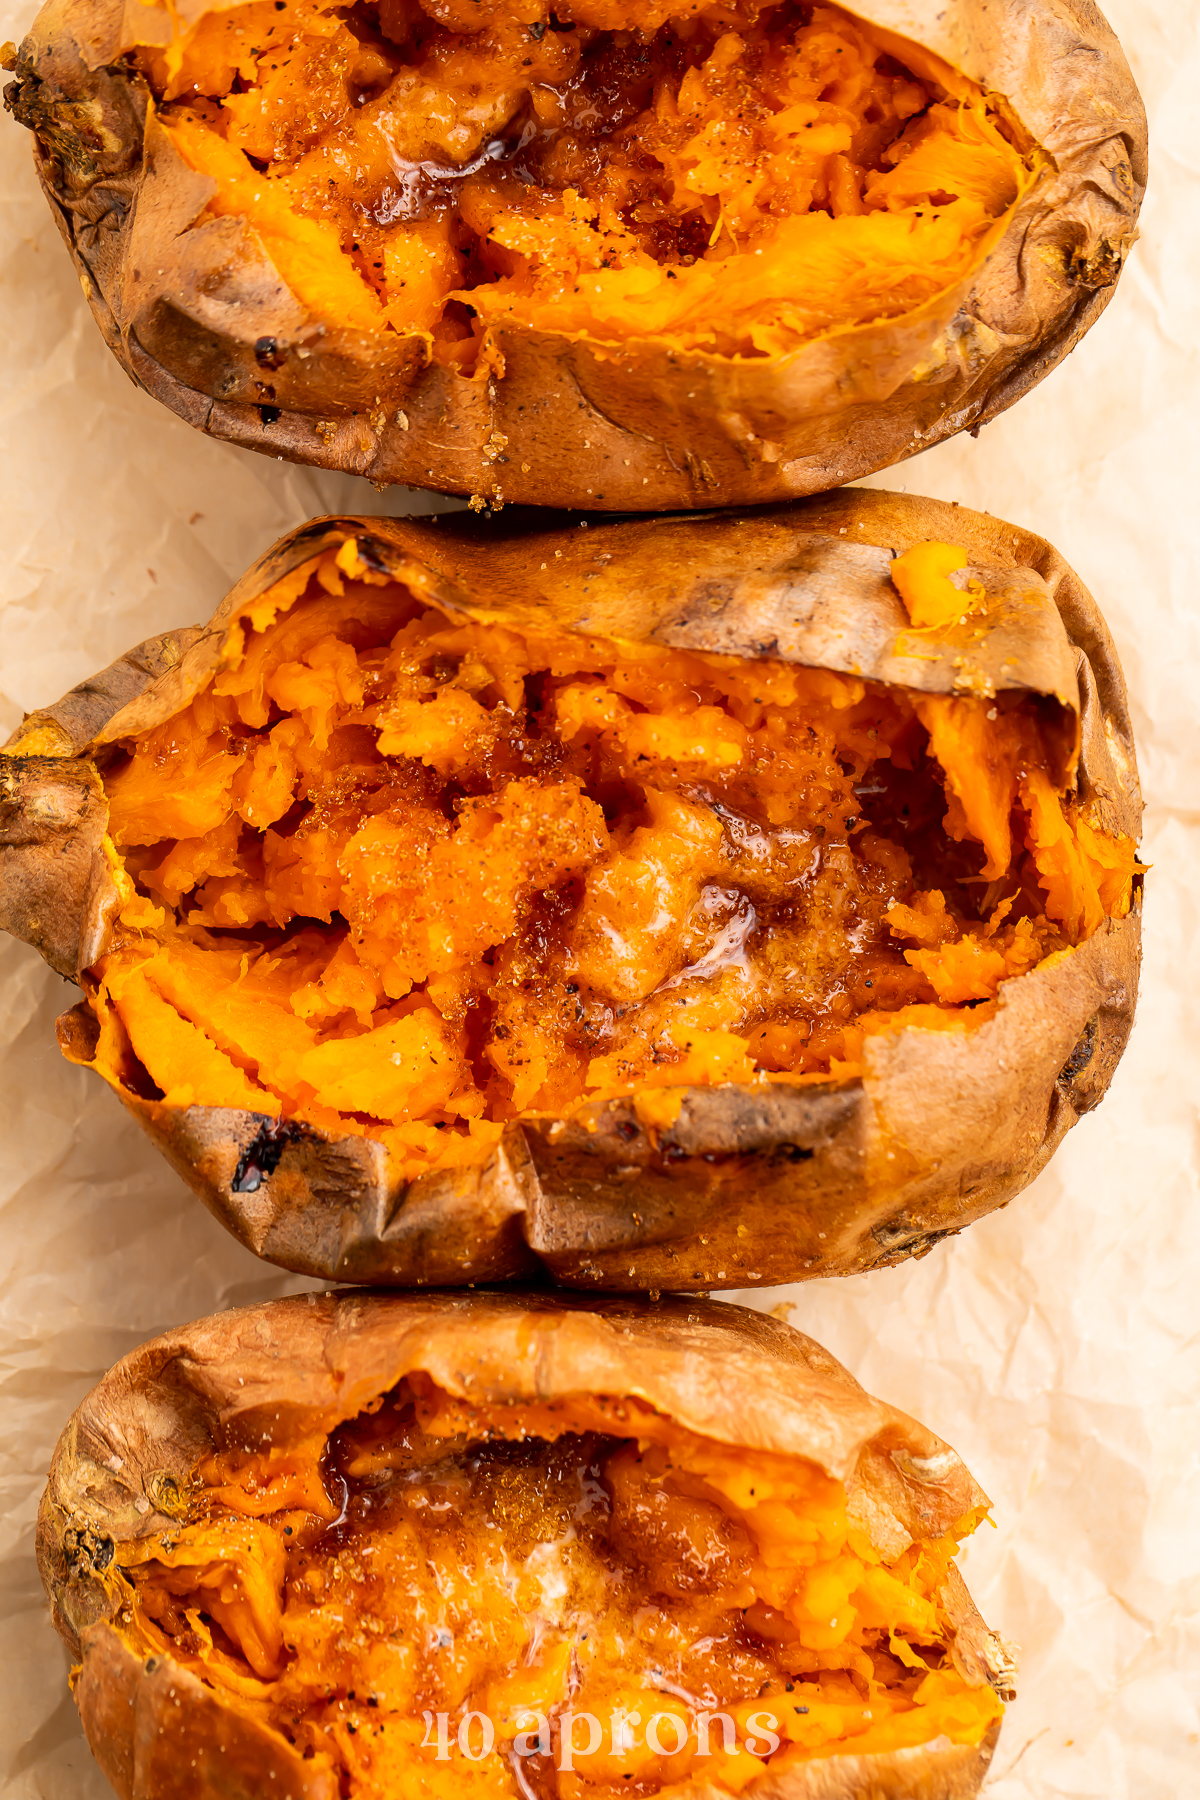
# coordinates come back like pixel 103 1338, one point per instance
pixel 732 178
pixel 416 875
pixel 366 1593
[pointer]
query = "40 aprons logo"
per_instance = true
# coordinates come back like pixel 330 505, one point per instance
pixel 583 1735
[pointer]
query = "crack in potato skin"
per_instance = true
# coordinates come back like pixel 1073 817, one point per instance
pixel 431 1555
pixel 417 876
pixel 739 179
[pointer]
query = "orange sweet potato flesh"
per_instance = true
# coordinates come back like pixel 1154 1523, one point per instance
pixel 646 1556
pixel 398 873
pixel 739 180
pixel 331 1579
pixel 620 256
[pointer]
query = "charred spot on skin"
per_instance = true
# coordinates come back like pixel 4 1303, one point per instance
pixel 899 1239
pixel 1083 1052
pixel 269 414
pixel 1097 270
pixel 369 554
pixel 793 1153
pixel 261 1156
pixel 168 1494
pixel 57 123
pixel 86 1554
pixel 890 1234
pixel 269 353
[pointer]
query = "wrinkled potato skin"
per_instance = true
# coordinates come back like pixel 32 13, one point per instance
pixel 730 1374
pixel 749 1187
pixel 640 428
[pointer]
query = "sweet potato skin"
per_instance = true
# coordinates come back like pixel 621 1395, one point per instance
pixel 747 1187
pixel 552 421
pixel 126 1455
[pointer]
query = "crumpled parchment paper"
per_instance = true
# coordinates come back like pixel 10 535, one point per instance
pixel 1056 1344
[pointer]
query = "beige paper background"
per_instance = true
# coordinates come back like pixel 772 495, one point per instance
pixel 1057 1344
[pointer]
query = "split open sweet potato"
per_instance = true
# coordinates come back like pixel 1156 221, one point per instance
pixel 675 903
pixel 349 1547
pixel 608 256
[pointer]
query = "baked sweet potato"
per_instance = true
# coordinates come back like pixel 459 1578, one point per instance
pixel 492 1545
pixel 611 257
pixel 652 902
